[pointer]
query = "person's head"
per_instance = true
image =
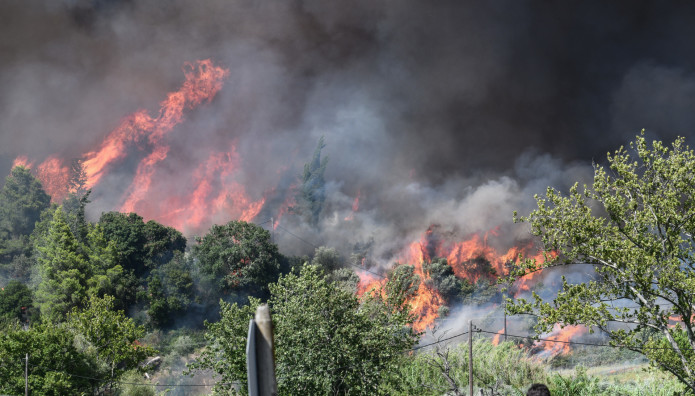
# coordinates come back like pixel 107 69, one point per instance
pixel 538 390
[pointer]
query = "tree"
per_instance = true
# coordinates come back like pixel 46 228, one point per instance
pixel 312 191
pixel 326 341
pixel 635 226
pixel 64 270
pixel 238 256
pixel 141 246
pixel 15 302
pixel 22 199
pixel 56 367
pixel 326 258
pixel 86 354
pixel 170 290
pixel 443 279
pixel 109 339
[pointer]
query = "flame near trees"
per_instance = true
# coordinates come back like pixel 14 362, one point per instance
pixel 214 192
pixel 471 259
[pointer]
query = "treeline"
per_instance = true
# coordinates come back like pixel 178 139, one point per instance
pixel 78 296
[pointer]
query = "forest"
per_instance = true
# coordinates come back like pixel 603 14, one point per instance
pixel 121 305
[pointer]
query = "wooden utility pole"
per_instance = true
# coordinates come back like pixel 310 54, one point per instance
pixel 505 321
pixel 470 357
pixel 260 356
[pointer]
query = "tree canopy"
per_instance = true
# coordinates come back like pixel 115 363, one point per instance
pixel 635 226
pixel 238 256
pixel 326 341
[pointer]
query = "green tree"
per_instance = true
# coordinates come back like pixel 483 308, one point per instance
pixel 238 256
pixel 326 258
pixel 56 367
pixel 22 199
pixel 635 225
pixel 170 290
pixel 443 279
pixel 312 190
pixel 109 339
pixel 15 302
pixel 141 246
pixel 326 341
pixel 64 270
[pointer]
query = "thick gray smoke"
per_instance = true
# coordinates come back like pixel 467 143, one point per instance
pixel 450 112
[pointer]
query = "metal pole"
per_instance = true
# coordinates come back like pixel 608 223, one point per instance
pixel 470 356
pixel 265 354
pixel 505 324
pixel 26 375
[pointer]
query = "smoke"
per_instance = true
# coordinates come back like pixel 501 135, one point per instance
pixel 452 113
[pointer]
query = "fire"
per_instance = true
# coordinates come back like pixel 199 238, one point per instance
pixel 54 178
pixel 22 161
pixel 212 193
pixel 202 83
pixel 216 195
pixel 471 259
pixel 497 337
pixel 355 207
pixel 563 335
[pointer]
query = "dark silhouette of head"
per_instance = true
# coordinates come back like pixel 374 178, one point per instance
pixel 538 390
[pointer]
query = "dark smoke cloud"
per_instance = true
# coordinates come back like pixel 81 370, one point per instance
pixel 450 112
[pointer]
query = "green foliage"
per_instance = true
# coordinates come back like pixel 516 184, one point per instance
pixel 238 255
pixel 345 278
pixel 312 191
pixel 64 270
pixel 170 290
pixel 635 225
pixel 108 338
pixel 74 208
pixel 53 357
pixel 140 246
pixel 22 199
pixel 504 368
pixel 16 303
pixel 326 258
pixel 325 341
pixel 443 279
pixel 402 284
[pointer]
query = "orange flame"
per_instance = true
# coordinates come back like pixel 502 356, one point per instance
pixel 54 178
pixel 216 195
pixel 22 161
pixel 202 83
pixel 563 336
pixel 470 259
pixel 355 207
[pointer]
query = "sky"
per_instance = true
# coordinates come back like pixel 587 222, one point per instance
pixel 451 113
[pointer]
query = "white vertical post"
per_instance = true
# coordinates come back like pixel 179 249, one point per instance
pixel 26 375
pixel 470 357
pixel 260 355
